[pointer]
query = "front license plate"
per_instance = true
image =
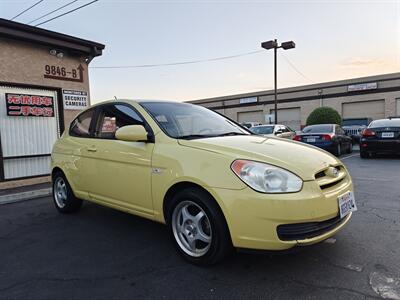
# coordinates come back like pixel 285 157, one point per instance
pixel 310 140
pixel 387 134
pixel 347 204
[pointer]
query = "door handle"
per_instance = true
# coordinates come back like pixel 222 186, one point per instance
pixel 91 149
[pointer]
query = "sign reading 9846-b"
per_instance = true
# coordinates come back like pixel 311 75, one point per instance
pixel 63 73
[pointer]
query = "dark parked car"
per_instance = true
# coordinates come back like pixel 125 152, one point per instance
pixel 330 137
pixel 381 136
pixel 354 127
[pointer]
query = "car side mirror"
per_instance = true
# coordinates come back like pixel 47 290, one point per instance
pixel 278 132
pixel 131 133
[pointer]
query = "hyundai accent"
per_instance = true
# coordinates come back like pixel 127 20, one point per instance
pixel 212 182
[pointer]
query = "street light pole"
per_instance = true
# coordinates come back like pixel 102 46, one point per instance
pixel 273 44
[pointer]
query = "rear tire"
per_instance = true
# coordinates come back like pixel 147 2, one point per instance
pixel 64 199
pixel 198 228
pixel 364 154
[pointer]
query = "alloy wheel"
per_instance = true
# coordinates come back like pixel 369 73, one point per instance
pixel 60 192
pixel 191 228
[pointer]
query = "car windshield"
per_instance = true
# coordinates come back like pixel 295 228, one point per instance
pixel 188 121
pixel 385 123
pixel 355 122
pixel 262 129
pixel 318 128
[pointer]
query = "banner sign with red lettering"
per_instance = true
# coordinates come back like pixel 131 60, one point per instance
pixel 29 105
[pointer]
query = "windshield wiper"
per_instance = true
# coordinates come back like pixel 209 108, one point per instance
pixel 194 136
pixel 232 133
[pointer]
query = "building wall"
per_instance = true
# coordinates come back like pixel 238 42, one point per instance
pixel 307 98
pixel 22 62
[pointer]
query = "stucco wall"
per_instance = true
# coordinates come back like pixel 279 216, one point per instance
pixel 24 63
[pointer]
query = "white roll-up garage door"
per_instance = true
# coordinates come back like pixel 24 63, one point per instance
pixel 289 116
pixel 29 126
pixel 374 109
pixel 251 116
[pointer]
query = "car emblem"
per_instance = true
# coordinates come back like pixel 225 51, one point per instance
pixel 333 172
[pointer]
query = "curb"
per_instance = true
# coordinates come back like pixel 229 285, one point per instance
pixel 23 196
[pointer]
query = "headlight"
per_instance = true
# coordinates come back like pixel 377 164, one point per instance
pixel 266 178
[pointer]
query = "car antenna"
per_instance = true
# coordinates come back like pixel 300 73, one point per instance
pixel 115 97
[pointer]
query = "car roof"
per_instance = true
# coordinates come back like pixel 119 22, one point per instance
pixel 135 101
pixel 321 125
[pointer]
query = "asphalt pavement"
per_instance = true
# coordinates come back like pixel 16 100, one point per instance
pixel 100 253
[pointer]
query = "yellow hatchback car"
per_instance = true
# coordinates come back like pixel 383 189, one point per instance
pixel 215 184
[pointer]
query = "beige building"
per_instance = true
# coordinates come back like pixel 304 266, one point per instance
pixel 44 83
pixel 373 97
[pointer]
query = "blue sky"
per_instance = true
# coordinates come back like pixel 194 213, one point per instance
pixel 334 40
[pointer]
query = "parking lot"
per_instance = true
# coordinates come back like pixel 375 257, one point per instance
pixel 101 253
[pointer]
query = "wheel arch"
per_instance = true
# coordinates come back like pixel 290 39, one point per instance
pixel 56 170
pixel 181 186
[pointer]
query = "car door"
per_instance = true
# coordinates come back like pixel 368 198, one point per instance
pixel 77 143
pixel 123 169
pixel 346 140
pixel 339 133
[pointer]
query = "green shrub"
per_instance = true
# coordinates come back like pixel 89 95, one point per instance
pixel 324 115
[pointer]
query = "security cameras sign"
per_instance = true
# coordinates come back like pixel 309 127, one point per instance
pixel 75 100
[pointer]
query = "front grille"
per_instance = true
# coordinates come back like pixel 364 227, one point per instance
pixel 353 131
pixel 301 231
pixel 328 185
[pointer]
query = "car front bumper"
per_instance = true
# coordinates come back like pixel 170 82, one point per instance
pixel 253 218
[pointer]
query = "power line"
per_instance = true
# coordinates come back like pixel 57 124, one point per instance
pixel 53 11
pixel 294 68
pixel 24 11
pixel 179 63
pixel 66 13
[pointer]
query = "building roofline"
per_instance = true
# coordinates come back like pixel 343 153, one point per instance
pixel 292 89
pixel 28 33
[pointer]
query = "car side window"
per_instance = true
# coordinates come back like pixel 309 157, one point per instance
pixel 112 117
pixel 80 127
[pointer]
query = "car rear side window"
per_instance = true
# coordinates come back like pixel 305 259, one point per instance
pixel 113 117
pixel 80 127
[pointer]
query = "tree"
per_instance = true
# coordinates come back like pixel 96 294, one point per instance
pixel 324 115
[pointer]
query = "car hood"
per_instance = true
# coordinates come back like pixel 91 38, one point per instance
pixel 301 159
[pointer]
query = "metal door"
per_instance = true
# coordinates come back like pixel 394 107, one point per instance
pixel 27 137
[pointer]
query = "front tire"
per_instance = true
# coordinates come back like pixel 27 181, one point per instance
pixel 198 227
pixel 64 199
